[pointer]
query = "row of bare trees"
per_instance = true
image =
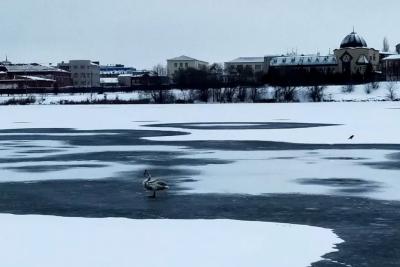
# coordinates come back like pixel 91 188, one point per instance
pixel 255 94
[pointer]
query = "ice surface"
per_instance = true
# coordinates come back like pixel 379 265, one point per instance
pixel 40 241
pixel 371 122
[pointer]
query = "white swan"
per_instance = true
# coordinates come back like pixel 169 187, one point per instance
pixel 153 185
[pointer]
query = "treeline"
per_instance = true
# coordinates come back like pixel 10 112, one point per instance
pixel 217 77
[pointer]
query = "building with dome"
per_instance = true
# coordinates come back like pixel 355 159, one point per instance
pixel 354 57
pixel 353 61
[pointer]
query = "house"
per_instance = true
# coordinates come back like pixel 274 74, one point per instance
pixel 184 62
pixel 355 57
pixel 26 82
pixel 113 71
pixel 392 67
pixel 145 79
pixel 257 64
pixel 324 64
pixel 60 77
pixel 84 73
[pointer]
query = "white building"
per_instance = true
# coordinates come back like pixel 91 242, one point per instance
pixel 184 62
pixel 84 73
pixel 256 63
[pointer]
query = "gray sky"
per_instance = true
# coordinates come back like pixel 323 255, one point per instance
pixel 144 33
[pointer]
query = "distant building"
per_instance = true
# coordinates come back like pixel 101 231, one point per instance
pixel 257 64
pixel 183 62
pixel 113 71
pixel 37 72
pixel 109 82
pixel 355 57
pixel 398 49
pixel 145 79
pixel 84 73
pixel 309 63
pixel 392 67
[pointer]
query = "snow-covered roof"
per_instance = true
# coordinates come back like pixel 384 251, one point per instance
pixel 308 60
pixel 247 60
pixel 392 57
pixel 184 58
pixel 31 68
pixel 362 60
pixel 35 78
pixel 108 80
pixel 386 53
pixel 116 72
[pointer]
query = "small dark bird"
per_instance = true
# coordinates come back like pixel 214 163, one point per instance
pixel 153 185
pixel 351 137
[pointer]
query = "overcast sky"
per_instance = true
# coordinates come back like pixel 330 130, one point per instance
pixel 144 33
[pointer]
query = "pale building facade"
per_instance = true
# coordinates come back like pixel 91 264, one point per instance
pixel 324 64
pixel 355 57
pixel 257 64
pixel 182 63
pixel 392 67
pixel 84 73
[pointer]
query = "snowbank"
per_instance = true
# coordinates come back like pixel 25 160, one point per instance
pixel 41 241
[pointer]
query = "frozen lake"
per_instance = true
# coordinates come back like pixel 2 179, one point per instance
pixel 286 163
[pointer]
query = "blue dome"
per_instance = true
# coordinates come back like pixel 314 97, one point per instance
pixel 353 40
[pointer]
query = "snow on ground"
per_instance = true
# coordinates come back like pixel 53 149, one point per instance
pixel 371 122
pixel 38 241
pixel 331 93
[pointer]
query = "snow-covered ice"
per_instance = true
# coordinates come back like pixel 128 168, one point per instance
pixel 38 241
pixel 371 122
pixel 251 172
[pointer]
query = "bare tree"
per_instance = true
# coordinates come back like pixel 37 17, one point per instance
pixel 229 94
pixel 160 69
pixel 254 94
pixel 316 93
pixel 217 95
pixel 386 46
pixel 161 96
pixel 349 88
pixel 203 94
pixel 391 91
pixel 242 93
pixel 375 85
pixel 368 88
pixel 285 93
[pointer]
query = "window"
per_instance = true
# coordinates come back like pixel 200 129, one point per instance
pixel 175 65
pixel 181 64
pixel 258 67
pixel 186 65
pixel 82 67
